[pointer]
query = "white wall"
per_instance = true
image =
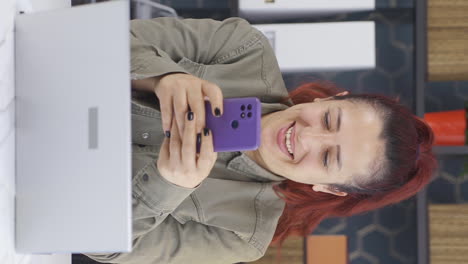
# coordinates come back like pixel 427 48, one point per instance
pixel 342 46
pixel 7 136
pixel 8 10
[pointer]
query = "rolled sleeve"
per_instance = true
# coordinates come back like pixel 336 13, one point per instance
pixel 158 193
pixel 148 60
pixel 159 44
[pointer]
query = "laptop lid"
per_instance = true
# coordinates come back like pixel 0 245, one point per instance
pixel 73 140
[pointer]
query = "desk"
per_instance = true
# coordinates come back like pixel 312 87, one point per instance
pixel 7 137
pixel 7 140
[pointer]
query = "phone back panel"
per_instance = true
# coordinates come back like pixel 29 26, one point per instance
pixel 239 128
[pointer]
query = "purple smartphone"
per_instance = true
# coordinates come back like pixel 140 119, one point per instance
pixel 238 128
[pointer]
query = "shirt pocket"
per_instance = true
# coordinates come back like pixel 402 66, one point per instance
pixel 146 126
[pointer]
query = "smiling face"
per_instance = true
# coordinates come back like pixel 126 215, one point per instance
pixel 331 141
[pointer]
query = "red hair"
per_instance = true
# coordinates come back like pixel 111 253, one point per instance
pixel 409 167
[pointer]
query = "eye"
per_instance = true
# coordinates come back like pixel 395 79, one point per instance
pixel 326 121
pixel 325 158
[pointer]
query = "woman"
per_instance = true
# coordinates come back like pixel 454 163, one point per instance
pixel 324 153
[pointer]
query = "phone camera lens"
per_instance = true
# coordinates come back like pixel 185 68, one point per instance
pixel 249 114
pixel 235 124
pixel 243 115
pixel 249 107
pixel 243 107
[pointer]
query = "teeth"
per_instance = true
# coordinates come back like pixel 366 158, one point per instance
pixel 288 140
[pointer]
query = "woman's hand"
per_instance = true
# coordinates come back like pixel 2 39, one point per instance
pixel 180 92
pixel 178 162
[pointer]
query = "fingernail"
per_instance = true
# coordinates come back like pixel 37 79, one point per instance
pixel 199 138
pixel 206 131
pixel 168 133
pixel 190 115
pixel 217 111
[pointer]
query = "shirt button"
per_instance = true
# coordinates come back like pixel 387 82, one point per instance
pixel 145 177
pixel 145 135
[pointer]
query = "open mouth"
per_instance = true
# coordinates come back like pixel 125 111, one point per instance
pixel 285 140
pixel 289 140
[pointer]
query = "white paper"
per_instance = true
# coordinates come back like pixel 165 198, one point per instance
pixel 7 213
pixel 24 6
pixel 7 163
pixel 7 12
pixel 7 203
pixel 7 122
pixel 7 66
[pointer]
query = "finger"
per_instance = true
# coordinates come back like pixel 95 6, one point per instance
pixel 163 157
pixel 180 111
pixel 215 95
pixel 197 104
pixel 207 156
pixel 174 146
pixel 165 103
pixel 188 142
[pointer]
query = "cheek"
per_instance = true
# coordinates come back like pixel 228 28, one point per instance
pixel 310 116
pixel 309 163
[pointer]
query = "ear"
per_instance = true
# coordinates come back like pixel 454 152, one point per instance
pixel 327 189
pixel 322 99
pixel 327 98
pixel 342 93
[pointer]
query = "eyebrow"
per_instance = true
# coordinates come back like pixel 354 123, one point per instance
pixel 338 147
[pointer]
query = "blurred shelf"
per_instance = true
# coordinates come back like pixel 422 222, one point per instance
pixel 420 71
pixel 450 150
pixel 421 80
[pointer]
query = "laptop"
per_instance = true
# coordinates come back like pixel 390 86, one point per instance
pixel 73 140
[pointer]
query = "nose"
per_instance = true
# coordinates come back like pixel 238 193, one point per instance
pixel 313 136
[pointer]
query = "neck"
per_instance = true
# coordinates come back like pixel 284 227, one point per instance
pixel 255 154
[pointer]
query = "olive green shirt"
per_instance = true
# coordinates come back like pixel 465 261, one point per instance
pixel 232 215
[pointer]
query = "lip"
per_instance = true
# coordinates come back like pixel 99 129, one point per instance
pixel 280 140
